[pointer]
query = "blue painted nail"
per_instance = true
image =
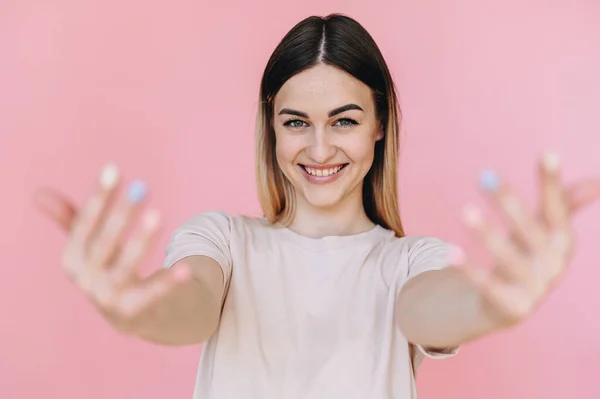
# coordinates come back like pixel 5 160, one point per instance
pixel 489 181
pixel 136 192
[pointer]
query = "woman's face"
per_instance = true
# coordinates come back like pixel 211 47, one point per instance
pixel 326 128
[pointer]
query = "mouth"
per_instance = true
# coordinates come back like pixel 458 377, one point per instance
pixel 322 174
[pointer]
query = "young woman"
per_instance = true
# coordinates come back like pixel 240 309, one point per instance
pixel 324 297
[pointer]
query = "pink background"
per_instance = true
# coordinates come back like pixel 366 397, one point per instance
pixel 168 91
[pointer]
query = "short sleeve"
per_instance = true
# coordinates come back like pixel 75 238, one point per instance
pixel 418 354
pixel 206 234
pixel 425 254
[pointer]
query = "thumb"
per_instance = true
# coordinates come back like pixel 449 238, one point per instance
pixel 56 206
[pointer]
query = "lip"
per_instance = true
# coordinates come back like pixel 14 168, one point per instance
pixel 322 179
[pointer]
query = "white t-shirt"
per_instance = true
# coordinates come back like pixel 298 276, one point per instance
pixel 307 318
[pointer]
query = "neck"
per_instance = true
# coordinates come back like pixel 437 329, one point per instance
pixel 345 218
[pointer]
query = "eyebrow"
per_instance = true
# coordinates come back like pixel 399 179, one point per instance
pixel 331 113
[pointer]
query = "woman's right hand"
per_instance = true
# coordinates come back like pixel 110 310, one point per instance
pixel 96 258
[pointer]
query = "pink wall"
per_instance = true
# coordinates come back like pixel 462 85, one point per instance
pixel 169 93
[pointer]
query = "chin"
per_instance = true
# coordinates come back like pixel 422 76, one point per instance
pixel 322 200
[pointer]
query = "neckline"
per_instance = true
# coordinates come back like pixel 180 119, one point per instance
pixel 371 236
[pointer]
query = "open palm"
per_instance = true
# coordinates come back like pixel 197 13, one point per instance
pixel 535 254
pixel 99 259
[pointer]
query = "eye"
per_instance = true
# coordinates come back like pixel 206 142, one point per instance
pixel 346 122
pixel 295 123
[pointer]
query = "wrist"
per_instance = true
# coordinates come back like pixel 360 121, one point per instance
pixel 496 319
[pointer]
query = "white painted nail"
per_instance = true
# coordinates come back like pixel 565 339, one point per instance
pixel 551 161
pixel 109 176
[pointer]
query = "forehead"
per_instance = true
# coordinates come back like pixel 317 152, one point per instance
pixel 322 88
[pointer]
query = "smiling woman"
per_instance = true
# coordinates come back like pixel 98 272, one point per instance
pixel 324 296
pixel 332 143
pixel 331 76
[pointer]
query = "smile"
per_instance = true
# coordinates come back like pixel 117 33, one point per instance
pixel 322 174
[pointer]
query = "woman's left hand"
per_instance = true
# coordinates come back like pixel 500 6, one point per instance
pixel 529 261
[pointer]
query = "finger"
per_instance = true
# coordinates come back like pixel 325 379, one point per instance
pixel 525 227
pixel 105 244
pixel 509 261
pixel 583 194
pixel 56 206
pixel 553 201
pixel 87 221
pixel 552 263
pixel 136 299
pixel 98 287
pixel 132 254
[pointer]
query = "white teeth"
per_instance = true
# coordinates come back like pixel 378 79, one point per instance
pixel 323 172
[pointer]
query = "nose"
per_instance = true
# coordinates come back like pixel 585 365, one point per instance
pixel 321 148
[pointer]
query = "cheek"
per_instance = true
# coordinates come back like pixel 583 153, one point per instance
pixel 361 151
pixel 286 151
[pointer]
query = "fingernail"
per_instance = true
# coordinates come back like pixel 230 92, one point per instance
pixel 109 176
pixel 456 255
pixel 151 219
pixel 489 181
pixel 551 161
pixel 472 215
pixel 136 192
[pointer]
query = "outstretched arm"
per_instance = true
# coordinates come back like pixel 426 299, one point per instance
pixel 175 306
pixel 445 308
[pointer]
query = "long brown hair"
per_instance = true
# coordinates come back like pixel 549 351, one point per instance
pixel 339 41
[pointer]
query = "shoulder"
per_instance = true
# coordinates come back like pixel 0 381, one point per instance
pixel 416 254
pixel 426 254
pixel 414 245
pixel 219 220
pixel 419 244
pixel 207 217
